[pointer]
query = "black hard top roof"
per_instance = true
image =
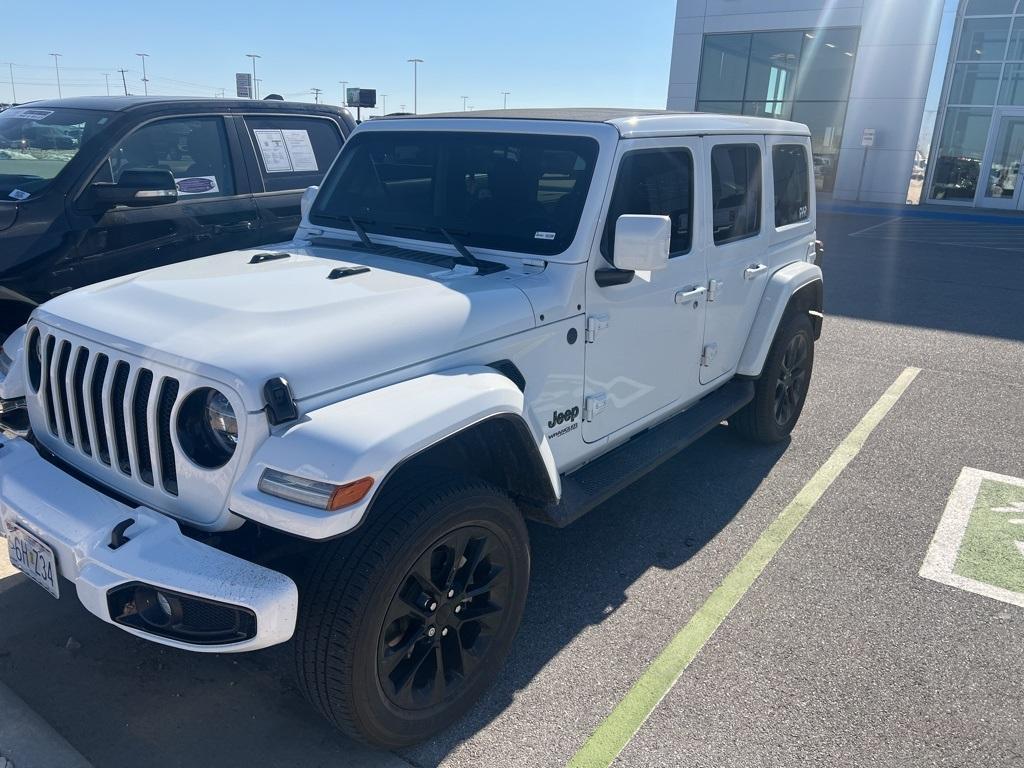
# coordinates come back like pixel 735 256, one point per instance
pixel 125 103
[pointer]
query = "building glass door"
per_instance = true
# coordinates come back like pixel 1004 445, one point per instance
pixel 1001 187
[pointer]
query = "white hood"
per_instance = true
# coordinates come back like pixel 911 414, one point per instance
pixel 244 323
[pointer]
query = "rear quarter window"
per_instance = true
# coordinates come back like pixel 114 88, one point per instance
pixel 293 152
pixel 792 184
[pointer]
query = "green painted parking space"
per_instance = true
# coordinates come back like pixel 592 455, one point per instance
pixel 979 544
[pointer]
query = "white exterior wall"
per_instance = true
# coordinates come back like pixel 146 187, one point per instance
pixel 890 78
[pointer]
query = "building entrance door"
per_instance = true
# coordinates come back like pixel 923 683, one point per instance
pixel 1001 181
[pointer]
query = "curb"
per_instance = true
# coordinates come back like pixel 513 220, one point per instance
pixel 28 741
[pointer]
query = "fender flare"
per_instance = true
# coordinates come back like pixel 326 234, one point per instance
pixel 373 435
pixel 794 286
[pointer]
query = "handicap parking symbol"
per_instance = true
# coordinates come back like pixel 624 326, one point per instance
pixel 979 544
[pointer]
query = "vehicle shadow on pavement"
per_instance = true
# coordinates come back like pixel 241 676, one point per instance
pixel 926 274
pixel 118 698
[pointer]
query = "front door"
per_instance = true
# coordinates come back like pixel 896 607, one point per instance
pixel 733 194
pixel 644 337
pixel 214 211
pixel 1000 182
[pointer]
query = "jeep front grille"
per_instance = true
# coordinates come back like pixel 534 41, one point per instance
pixel 110 411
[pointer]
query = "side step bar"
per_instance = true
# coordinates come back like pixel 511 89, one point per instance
pixel 602 478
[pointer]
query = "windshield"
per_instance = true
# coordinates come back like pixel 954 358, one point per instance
pixel 505 191
pixel 37 142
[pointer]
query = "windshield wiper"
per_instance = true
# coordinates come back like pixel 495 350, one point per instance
pixel 363 237
pixel 456 243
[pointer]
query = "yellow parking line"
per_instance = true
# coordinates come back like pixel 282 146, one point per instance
pixel 611 737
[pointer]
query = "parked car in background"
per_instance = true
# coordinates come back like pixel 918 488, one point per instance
pixel 95 188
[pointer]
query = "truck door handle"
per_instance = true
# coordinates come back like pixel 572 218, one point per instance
pixel 689 294
pixel 754 270
pixel 242 226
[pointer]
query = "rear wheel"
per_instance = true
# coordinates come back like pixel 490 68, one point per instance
pixel 780 392
pixel 405 623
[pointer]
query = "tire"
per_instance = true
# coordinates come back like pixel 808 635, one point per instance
pixel 781 390
pixel 365 657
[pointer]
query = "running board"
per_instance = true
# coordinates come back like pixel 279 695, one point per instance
pixel 602 478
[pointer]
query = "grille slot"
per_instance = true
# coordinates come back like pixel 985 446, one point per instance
pixel 168 394
pixel 143 385
pixel 112 412
pixel 78 401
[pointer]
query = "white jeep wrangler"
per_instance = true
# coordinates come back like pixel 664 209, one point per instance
pixel 337 440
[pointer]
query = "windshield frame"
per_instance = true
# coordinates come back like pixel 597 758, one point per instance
pixel 18 187
pixel 588 147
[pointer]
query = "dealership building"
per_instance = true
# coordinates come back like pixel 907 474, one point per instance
pixel 919 100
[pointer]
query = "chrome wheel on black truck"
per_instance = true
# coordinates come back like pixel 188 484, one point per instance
pixel 405 623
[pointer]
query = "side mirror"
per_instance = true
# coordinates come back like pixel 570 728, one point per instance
pixel 307 201
pixel 138 188
pixel 642 242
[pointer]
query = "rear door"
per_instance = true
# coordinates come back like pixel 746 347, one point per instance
pixel 285 154
pixel 214 211
pixel 736 209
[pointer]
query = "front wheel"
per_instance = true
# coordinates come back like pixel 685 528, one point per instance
pixel 780 392
pixel 405 623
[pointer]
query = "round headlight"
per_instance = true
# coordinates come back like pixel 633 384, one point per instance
pixel 207 428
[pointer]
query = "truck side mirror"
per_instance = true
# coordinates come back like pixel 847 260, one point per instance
pixel 307 201
pixel 138 188
pixel 642 242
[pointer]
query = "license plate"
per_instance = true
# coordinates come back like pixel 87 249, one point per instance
pixel 33 558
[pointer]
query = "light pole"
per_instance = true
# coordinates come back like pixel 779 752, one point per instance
pixel 401 107
pixel 106 76
pixel 56 65
pixel 415 84
pixel 255 93
pixel 14 95
pixel 344 92
pixel 384 103
pixel 145 80
pixel 464 100
pixel 504 102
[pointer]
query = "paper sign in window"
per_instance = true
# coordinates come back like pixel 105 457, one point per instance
pixel 300 150
pixel 274 150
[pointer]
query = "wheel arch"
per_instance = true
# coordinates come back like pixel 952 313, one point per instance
pixel 797 287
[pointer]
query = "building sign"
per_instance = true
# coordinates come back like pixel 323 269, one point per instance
pixel 979 544
pixel 361 97
pixel 243 85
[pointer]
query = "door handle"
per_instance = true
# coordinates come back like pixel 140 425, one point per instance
pixel 689 294
pixel 242 226
pixel 754 270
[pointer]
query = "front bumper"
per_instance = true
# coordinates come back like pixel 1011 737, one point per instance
pixel 77 521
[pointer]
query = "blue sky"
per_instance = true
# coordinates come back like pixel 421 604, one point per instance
pixel 553 53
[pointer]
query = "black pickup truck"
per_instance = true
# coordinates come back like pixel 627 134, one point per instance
pixel 94 188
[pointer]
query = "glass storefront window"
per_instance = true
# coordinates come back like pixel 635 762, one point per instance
pixel 1015 52
pixel 774 57
pixel 974 84
pixel 1004 172
pixel 1011 93
pixel 983 39
pixel 989 7
pixel 723 69
pixel 958 157
pixel 779 110
pixel 825 119
pixel 722 107
pixel 826 64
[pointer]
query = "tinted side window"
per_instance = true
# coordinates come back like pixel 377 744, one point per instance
pixel 736 191
pixel 792 189
pixel 656 182
pixel 293 152
pixel 193 149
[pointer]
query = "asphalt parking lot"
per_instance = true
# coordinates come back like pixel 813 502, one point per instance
pixel 839 653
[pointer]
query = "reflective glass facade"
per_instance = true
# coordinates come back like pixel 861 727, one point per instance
pixel 978 154
pixel 801 75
